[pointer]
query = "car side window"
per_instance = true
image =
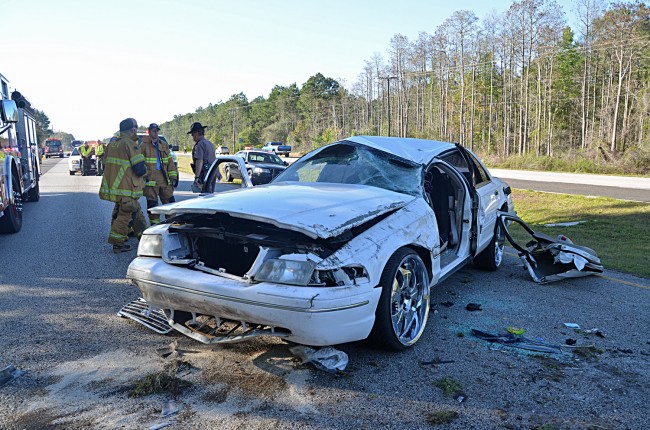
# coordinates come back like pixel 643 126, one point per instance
pixel 482 176
pixel 455 158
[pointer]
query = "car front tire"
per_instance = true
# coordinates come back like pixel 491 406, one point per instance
pixel 12 220
pixel 403 308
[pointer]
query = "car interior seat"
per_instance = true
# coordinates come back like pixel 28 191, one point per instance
pixel 441 192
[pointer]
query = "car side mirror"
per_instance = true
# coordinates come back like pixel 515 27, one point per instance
pixel 9 111
pixel 285 163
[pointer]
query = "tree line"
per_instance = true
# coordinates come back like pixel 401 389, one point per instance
pixel 520 82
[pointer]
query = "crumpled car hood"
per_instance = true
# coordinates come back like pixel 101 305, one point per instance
pixel 316 210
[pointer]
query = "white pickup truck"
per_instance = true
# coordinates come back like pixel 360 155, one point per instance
pixel 277 148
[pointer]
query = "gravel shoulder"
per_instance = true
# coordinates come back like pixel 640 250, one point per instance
pixel 83 362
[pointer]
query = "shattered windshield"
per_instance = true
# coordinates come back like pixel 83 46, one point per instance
pixel 351 163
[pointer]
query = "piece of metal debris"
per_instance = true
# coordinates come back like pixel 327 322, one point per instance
pixel 328 359
pixel 9 373
pixel 435 361
pixel 550 259
pixel 139 311
pixel 460 397
pixel 572 325
pixel 515 341
pixel 169 407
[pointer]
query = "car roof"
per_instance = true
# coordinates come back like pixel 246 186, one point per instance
pixel 418 150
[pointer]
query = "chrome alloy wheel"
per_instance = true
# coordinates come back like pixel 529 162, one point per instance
pixel 409 301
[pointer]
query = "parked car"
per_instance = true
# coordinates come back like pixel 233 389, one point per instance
pixel 74 163
pixel 222 150
pixel 261 167
pixel 277 148
pixel 344 245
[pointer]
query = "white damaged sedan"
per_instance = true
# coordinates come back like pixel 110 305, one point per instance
pixel 344 245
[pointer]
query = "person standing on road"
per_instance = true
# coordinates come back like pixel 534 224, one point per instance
pixel 86 152
pixel 99 153
pixel 202 154
pixel 162 175
pixel 123 184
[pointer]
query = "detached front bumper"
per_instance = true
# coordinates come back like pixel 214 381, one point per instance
pixel 310 315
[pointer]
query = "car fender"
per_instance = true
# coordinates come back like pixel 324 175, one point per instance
pixel 374 246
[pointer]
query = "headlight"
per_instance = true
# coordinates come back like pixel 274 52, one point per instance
pixel 150 245
pixel 75 161
pixel 285 271
pixel 261 170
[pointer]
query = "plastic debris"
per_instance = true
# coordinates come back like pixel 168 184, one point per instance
pixel 516 330
pixel 564 224
pixel 473 307
pixel 572 325
pixel 161 425
pixel 329 359
pixel 9 373
pixel 435 361
pixel 515 341
pixel 549 259
pixel 595 331
pixel 168 350
pixel 460 397
pixel 169 407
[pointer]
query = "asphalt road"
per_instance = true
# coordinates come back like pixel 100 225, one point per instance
pixel 61 286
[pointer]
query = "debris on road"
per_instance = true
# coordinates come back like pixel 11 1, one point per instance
pixel 564 224
pixel 552 259
pixel 473 307
pixel 141 312
pixel 9 373
pixel 515 341
pixel 572 325
pixel 328 359
pixel 169 407
pixel 516 330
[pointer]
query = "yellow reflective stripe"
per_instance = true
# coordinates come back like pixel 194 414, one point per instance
pixel 150 184
pixel 172 173
pixel 118 161
pixel 150 160
pixel 119 192
pixel 118 236
pixel 137 159
pixel 119 177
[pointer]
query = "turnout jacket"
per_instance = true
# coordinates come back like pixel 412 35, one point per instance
pixel 123 172
pixel 167 166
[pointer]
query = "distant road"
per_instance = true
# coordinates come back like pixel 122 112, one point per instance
pixel 618 187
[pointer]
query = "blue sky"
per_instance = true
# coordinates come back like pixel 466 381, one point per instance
pixel 90 64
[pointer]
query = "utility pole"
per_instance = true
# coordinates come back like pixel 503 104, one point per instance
pixel 234 144
pixel 388 78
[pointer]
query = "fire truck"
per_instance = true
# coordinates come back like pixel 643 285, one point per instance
pixel 19 160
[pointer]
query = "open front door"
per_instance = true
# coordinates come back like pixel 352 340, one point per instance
pixel 476 204
pixel 215 183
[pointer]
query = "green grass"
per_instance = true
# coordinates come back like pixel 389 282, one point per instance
pixel 617 230
pixel 449 386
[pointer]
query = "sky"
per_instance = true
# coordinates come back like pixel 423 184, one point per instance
pixel 90 64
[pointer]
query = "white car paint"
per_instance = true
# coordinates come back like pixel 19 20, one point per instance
pixel 74 161
pixel 364 224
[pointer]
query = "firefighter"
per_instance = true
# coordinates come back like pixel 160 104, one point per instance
pixel 162 175
pixel 99 153
pixel 123 184
pixel 86 155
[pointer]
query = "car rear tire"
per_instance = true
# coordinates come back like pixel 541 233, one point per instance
pixel 490 258
pixel 403 308
pixel 12 220
pixel 228 175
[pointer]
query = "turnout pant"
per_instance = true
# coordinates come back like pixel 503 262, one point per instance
pixel 160 191
pixel 127 215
